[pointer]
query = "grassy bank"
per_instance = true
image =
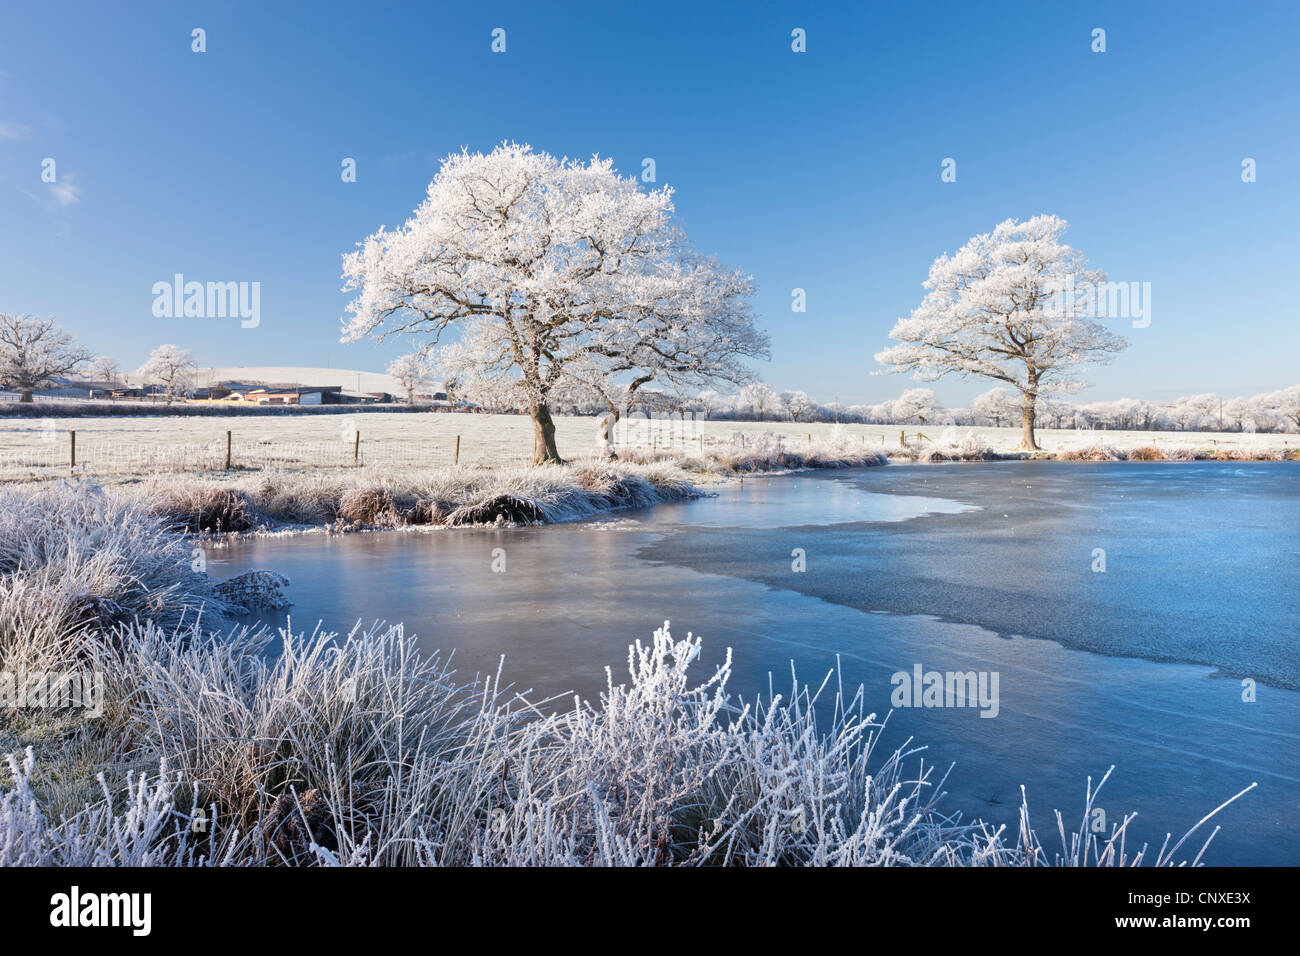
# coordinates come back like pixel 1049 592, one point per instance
pixel 379 499
pixel 460 496
pixel 362 750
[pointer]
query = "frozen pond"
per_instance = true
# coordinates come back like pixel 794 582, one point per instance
pixel 988 568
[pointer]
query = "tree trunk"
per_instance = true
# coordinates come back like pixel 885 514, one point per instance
pixel 544 451
pixel 26 396
pixel 1027 410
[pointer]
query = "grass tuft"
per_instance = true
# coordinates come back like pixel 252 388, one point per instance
pixel 369 505
pixel 362 751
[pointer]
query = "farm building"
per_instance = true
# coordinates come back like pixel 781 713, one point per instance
pixel 273 394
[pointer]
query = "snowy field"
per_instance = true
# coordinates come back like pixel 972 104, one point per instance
pixel 124 446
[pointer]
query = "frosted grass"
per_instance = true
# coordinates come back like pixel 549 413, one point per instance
pixel 362 750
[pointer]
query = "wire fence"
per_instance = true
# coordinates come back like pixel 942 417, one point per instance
pixel 55 451
pixel 66 455
pixel 58 452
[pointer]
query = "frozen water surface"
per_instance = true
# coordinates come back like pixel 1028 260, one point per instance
pixel 984 567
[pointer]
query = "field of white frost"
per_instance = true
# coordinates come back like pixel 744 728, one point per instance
pixel 363 751
pixel 108 447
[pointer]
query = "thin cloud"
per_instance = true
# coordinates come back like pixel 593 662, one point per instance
pixel 14 130
pixel 61 194
pixel 66 192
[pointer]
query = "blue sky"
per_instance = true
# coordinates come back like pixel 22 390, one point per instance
pixel 817 170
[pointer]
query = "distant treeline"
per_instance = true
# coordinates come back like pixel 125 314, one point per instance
pixel 1277 411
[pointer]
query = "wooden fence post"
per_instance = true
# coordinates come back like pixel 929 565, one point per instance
pixel 356 447
pixel 227 449
pixel 72 438
pixel 456 460
pixel 902 438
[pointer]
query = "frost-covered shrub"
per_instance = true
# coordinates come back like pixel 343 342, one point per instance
pixel 372 505
pixel 503 508
pixel 341 718
pixel 1247 454
pixel 606 484
pixel 299 499
pixel 143 825
pixel 768 453
pixel 427 511
pixel 970 448
pixel 534 495
pixel 933 453
pixel 1092 453
pixel 1146 453
pixel 974 448
pixel 364 751
pixel 74 559
pixel 207 507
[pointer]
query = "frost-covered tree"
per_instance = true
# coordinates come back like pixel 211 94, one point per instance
pixel 1284 404
pixel 412 373
pixel 1056 411
pixel 554 273
pixel 711 402
pixel 915 405
pixel 800 407
pixel 105 369
pixel 1239 414
pixel 997 405
pixel 1197 412
pixel 171 367
pixel 692 325
pixel 759 400
pixel 1005 307
pixel 33 351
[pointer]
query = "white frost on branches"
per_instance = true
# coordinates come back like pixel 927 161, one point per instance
pixel 171 367
pixel 554 274
pixel 34 351
pixel 1006 307
pixel 412 373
